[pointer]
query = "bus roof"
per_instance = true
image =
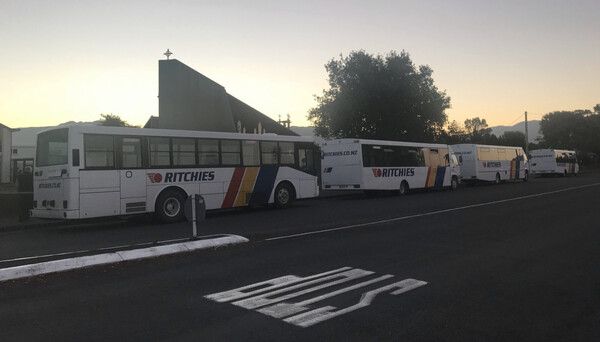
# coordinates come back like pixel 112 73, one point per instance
pixel 481 145
pixel 158 132
pixel 381 142
pixel 544 150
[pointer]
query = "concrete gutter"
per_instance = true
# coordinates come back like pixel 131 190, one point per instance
pixel 54 266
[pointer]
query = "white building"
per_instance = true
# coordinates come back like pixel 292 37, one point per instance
pixel 5 153
pixel 23 148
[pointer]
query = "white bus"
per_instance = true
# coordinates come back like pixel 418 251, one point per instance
pixel 84 171
pixel 551 161
pixel 491 163
pixel 374 165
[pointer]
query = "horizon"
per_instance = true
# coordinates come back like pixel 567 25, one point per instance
pixel 72 61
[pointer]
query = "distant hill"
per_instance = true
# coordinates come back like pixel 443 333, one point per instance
pixel 533 125
pixel 534 129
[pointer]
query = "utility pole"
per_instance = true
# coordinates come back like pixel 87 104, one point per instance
pixel 526 136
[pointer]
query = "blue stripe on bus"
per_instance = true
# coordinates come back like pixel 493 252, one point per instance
pixel 439 177
pixel 264 185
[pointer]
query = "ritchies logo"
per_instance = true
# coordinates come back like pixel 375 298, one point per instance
pixel 180 177
pixel 155 177
pixel 394 172
pixel 492 164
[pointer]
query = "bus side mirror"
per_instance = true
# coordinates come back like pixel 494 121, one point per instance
pixel 76 157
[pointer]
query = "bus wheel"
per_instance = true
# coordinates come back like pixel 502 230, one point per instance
pixel 284 195
pixel 497 180
pixel 403 188
pixel 454 183
pixel 169 206
pixel 526 178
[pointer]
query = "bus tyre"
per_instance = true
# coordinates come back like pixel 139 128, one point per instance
pixel 454 183
pixel 403 188
pixel 169 206
pixel 284 195
pixel 497 180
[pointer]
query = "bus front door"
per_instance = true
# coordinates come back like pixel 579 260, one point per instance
pixel 133 177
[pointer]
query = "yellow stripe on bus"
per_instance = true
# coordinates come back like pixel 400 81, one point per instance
pixel 432 174
pixel 513 169
pixel 246 186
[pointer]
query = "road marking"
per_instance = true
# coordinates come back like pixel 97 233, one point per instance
pixel 262 300
pixel 319 315
pixel 443 211
pixel 276 283
pixel 271 297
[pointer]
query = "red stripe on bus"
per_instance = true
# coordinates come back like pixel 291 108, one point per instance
pixel 234 187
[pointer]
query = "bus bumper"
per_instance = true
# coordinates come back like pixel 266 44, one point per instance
pixel 55 214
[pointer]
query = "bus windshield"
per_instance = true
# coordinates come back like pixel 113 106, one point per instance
pixel 52 148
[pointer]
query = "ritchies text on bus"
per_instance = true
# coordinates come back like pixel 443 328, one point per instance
pixel 394 172
pixel 189 176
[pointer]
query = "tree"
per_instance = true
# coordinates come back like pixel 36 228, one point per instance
pixel 478 132
pixel 113 120
pixel 455 133
pixel 562 129
pixel 574 130
pixel 512 138
pixel 379 97
pixel 474 125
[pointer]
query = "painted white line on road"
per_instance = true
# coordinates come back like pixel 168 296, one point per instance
pixel 373 223
pixel 322 314
pixel 276 283
pixel 109 258
pixel 302 313
pixel 281 310
pixel 267 298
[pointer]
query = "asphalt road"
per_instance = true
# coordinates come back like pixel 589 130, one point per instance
pixel 517 261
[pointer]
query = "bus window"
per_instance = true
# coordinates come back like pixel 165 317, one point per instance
pixel 414 157
pixel 286 153
pixel 52 148
pixel 159 152
pixel 250 153
pixel 269 152
pixel 502 154
pixel 131 153
pixel 99 151
pixel 230 152
pixel 433 158
pixel 184 151
pixel 306 160
pixel 370 155
pixel 208 152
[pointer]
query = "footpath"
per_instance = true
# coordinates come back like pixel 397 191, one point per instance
pixel 10 202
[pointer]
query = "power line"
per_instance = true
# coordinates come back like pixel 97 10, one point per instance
pixel 515 120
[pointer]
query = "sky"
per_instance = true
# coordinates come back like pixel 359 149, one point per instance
pixel 73 60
